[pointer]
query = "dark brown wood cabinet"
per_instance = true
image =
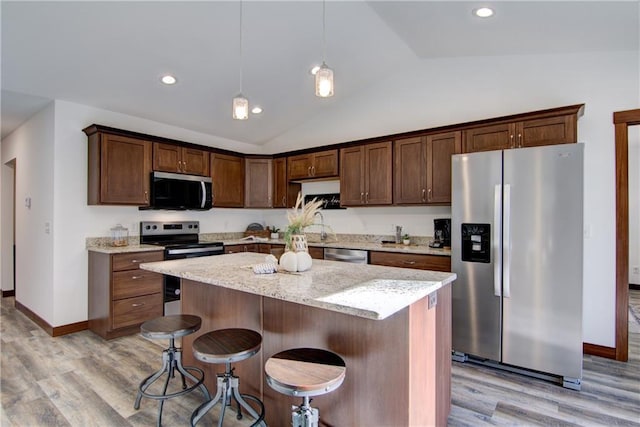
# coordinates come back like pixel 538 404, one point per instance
pixel 284 191
pixel 227 173
pixel 366 175
pixel 544 128
pixel 178 159
pixel 410 171
pixel 243 247
pixel 258 184
pixel 119 169
pixel 121 295
pixel 321 164
pixel 440 148
pixel 418 261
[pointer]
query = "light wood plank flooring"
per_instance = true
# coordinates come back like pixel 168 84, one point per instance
pixel 82 380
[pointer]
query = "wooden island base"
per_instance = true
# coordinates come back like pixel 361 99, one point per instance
pixel 398 369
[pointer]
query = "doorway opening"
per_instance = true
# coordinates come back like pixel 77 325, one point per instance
pixel 8 269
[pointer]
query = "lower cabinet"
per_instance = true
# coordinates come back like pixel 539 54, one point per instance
pixel 121 295
pixel 417 261
pixel 234 249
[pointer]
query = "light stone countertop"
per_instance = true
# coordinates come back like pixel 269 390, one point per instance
pixel 135 247
pixel 369 291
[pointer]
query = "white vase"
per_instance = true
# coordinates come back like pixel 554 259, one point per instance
pixel 275 236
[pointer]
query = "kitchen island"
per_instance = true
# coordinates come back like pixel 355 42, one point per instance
pixel 391 325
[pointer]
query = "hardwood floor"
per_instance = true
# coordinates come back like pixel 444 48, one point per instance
pixel 82 380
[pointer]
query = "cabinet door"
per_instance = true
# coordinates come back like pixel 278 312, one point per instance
pixel 352 176
pixel 378 174
pixel 228 180
pixel 548 131
pixel 410 176
pixel 316 252
pixel 299 167
pixel 487 138
pixel 417 261
pixel 125 168
pixel 195 162
pixel 284 192
pixel 325 164
pixel 440 148
pixel 166 157
pixel 258 183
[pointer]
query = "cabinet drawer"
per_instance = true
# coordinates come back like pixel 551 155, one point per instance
pixel 132 311
pixel 130 261
pixel 418 261
pixel 133 283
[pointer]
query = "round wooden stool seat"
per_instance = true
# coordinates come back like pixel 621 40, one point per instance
pixel 227 345
pixel 168 327
pixel 305 372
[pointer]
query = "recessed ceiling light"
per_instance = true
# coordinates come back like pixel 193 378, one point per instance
pixel 168 79
pixel 256 110
pixel 483 12
pixel 314 70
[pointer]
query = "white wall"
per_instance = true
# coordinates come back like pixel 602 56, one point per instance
pixel 452 90
pixel 32 148
pixel 634 205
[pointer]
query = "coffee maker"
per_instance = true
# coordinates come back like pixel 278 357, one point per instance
pixel 441 233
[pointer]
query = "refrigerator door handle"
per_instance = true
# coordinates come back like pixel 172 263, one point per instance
pixel 497 258
pixel 506 241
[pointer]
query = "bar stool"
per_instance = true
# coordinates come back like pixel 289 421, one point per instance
pixel 171 327
pixel 305 372
pixel 228 346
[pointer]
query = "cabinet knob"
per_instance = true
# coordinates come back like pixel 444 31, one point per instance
pixel 366 197
pixel 136 277
pixel 424 195
pixel 309 170
pixel 361 197
pixel 135 261
pixel 313 170
pixel 140 304
pixel 284 201
pixel 520 140
pixel 184 166
pixel 408 262
pixel 512 141
pixel 146 196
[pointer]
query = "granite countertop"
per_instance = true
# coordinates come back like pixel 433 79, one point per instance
pixel 369 291
pixel 362 245
pixel 366 243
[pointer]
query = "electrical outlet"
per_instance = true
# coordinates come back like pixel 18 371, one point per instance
pixel 636 270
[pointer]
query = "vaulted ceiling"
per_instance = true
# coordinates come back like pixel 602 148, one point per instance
pixel 112 54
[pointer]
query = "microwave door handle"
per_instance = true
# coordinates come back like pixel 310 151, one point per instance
pixel 204 194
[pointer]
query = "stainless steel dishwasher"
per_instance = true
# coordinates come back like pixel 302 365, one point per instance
pixel 346 255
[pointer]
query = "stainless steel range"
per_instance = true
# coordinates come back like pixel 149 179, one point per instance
pixel 180 240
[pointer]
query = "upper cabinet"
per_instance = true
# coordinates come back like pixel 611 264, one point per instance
pixel 227 173
pixel 366 175
pixel 548 127
pixel 178 159
pixel 422 168
pixel 440 148
pixel 284 192
pixel 321 164
pixel 119 169
pixel 258 185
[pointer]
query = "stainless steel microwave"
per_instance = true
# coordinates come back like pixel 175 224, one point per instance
pixel 180 192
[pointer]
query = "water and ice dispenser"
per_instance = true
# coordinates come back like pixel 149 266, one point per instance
pixel 476 242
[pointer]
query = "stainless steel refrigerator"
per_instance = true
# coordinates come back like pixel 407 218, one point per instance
pixel 516 246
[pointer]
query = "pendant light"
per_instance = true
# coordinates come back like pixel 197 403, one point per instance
pixel 240 103
pixel 324 75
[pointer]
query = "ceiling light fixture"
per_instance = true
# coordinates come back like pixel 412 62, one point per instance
pixel 168 79
pixel 314 70
pixel 240 103
pixel 483 12
pixel 256 110
pixel 324 75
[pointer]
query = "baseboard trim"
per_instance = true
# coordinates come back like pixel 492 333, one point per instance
pixel 634 286
pixel 52 331
pixel 11 293
pixel 599 350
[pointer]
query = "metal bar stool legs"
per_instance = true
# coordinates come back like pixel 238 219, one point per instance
pixel 228 389
pixel 228 346
pixel 171 327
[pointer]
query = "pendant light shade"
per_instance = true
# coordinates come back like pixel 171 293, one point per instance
pixel 324 81
pixel 324 75
pixel 240 107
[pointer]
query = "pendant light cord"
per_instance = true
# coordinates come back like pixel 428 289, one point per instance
pixel 324 40
pixel 240 46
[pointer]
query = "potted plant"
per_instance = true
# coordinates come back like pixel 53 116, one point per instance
pixel 301 216
pixel 274 232
pixel 405 239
